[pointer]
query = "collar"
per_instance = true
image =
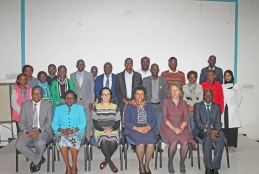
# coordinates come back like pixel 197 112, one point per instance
pixel 207 103
pixel 78 72
pixel 36 103
pixel 109 75
pixel 213 68
pixel 170 71
pixel 126 72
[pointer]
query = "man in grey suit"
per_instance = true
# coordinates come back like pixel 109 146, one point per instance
pixel 218 71
pixel 84 83
pixel 125 82
pixel 35 124
pixel 156 89
pixel 208 128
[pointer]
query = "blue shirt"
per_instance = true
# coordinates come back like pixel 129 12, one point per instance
pixel 80 78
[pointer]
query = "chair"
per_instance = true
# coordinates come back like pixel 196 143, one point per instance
pixel 83 143
pixel 199 141
pixel 92 142
pixel 161 139
pixel 31 145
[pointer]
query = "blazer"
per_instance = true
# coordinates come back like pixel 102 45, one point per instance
pixel 76 118
pixel 200 117
pixel 99 85
pixel 219 74
pixel 45 116
pixel 163 88
pixel 85 94
pixel 120 85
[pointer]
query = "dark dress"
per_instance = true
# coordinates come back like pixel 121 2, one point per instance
pixel 176 115
pixel 135 116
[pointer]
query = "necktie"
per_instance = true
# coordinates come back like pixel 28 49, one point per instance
pixel 35 117
pixel 208 114
pixel 107 82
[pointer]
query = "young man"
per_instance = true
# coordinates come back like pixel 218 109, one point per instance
pixel 52 70
pixel 145 71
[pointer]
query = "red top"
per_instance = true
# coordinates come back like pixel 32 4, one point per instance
pixel 216 87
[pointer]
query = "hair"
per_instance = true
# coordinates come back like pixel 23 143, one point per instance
pixel 154 64
pixel 94 67
pixel 50 65
pixel 212 56
pixel 104 89
pixel 190 73
pixel 145 58
pixel 208 89
pixel 139 87
pixel 231 73
pixel 71 92
pixel 41 72
pixel 62 66
pixel 107 63
pixel 211 71
pixel 36 87
pixel 179 87
pixel 172 58
pixel 17 78
pixel 128 59
pixel 26 66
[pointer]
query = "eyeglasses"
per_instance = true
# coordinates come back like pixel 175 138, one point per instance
pixel 36 93
pixel 106 95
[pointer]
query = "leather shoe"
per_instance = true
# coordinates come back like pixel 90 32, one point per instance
pixel 31 166
pixel 208 171
pixel 36 167
pixel 215 171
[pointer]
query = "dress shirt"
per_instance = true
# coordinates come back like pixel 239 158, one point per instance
pixel 155 91
pixel 206 109
pixel 213 68
pixel 170 71
pixel 128 82
pixel 110 80
pixel 38 111
pixel 144 73
pixel 80 78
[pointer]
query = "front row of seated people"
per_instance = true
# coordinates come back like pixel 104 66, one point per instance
pixel 69 125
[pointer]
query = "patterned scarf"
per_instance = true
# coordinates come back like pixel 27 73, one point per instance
pixel 65 82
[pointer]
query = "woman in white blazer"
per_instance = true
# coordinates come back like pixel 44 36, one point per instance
pixel 231 117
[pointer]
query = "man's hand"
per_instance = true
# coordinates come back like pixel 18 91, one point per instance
pixel 91 106
pixel 33 133
pixel 214 135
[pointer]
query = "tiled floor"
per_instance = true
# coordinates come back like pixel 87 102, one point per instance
pixel 243 160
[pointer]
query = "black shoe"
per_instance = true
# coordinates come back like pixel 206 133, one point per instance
pixel 170 167
pixel 208 171
pixel 182 167
pixel 31 166
pixel 215 171
pixel 36 167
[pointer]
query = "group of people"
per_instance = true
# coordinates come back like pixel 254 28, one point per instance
pixel 89 105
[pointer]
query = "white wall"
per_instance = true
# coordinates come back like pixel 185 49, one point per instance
pixel 63 31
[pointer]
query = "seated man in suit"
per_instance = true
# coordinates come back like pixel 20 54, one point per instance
pixel 219 73
pixel 208 128
pixel 35 124
pixel 107 79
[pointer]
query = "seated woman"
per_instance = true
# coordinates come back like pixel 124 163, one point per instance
pixel 60 86
pixel 43 84
pixel 69 124
pixel 140 126
pixel 174 126
pixel 106 120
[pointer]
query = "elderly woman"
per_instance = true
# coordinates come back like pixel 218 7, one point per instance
pixel 140 126
pixel 69 124
pixel 174 126
pixel 231 117
pixel 106 120
pixel 60 86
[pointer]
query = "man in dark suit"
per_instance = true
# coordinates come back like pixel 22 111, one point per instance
pixel 208 128
pixel 156 89
pixel 219 73
pixel 107 79
pixel 35 124
pixel 84 83
pixel 125 82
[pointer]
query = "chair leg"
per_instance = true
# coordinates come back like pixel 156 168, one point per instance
pixel 58 155
pixel 126 158
pixel 191 154
pixel 16 159
pixel 226 145
pixel 121 158
pixel 53 158
pixel 156 152
pixel 48 160
pixel 85 157
pixel 160 155
pixel 198 155
pixel 89 161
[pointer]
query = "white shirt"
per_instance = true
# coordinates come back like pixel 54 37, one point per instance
pixel 38 111
pixel 128 81
pixel 110 80
pixel 170 71
pixel 144 73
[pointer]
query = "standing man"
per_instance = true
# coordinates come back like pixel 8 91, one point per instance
pixel 107 79
pixel 156 89
pixel 218 71
pixel 84 83
pixel 208 128
pixel 145 71
pixel 35 124
pixel 125 82
pixel 52 70
pixel 94 71
pixel 173 75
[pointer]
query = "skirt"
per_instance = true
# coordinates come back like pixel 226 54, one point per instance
pixel 100 135
pixel 73 140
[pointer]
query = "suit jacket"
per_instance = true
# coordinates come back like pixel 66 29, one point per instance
pixel 120 85
pixel 219 74
pixel 200 117
pixel 85 94
pixel 99 85
pixel 163 88
pixel 45 116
